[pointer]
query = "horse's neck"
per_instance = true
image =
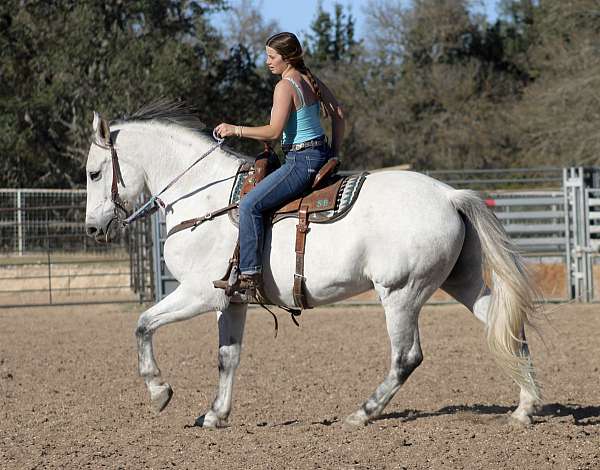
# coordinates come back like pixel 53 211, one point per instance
pixel 165 153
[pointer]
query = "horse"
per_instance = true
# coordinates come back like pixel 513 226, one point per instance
pixel 406 236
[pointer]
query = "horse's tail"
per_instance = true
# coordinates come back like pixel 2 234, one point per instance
pixel 513 293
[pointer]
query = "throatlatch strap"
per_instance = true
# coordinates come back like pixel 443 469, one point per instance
pixel 301 231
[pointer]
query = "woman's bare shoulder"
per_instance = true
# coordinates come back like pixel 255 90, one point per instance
pixel 283 85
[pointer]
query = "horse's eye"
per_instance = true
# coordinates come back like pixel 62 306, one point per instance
pixel 95 175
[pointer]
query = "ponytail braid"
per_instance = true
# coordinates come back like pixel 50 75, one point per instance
pixel 303 69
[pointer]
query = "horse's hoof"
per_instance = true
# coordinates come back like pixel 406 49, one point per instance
pixel 210 421
pixel 520 418
pixel 354 421
pixel 162 397
pixel 537 407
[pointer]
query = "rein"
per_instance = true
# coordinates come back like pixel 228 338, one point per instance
pixel 151 206
pixel 122 215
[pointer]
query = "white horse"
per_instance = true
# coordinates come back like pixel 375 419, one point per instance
pixel 406 236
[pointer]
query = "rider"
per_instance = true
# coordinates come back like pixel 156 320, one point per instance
pixel 297 101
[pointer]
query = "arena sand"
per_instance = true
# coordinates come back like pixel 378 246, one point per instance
pixel 71 397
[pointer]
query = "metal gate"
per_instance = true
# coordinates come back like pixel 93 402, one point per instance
pixel 47 259
pixel 582 201
pixel 535 221
pixel 164 281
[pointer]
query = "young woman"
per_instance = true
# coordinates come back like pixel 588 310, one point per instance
pixel 298 100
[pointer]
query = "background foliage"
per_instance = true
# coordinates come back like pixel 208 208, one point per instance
pixel 431 85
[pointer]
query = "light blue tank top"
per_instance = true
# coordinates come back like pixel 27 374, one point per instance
pixel 304 123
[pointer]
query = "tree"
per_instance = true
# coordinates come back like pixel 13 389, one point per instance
pixel 385 20
pixel 331 40
pixel 247 28
pixel 558 117
pixel 442 85
pixel 61 60
pixel 432 85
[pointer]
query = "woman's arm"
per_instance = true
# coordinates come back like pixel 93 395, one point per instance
pixel 338 123
pixel 283 101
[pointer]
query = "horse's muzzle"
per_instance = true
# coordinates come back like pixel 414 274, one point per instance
pixel 101 234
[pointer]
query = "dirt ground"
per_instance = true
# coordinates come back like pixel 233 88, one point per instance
pixel 71 397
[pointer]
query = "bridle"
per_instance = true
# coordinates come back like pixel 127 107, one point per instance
pixel 123 216
pixel 120 209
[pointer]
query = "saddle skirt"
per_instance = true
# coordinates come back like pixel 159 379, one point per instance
pixel 330 201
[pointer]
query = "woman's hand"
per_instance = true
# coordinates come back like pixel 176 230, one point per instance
pixel 225 130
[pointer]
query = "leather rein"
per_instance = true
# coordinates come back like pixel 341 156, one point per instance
pixel 123 216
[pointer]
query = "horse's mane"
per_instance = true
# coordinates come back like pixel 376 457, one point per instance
pixel 180 113
pixel 167 111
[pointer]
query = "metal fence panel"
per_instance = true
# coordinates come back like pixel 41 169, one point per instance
pixel 512 179
pixel 535 220
pixel 46 258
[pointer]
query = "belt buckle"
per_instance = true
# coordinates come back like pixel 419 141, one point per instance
pixel 303 145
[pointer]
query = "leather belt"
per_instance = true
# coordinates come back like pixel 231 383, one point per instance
pixel 303 145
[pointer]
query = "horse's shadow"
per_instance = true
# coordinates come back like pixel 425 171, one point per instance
pixel 583 415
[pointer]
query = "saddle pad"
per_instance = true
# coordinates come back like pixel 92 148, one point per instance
pixel 346 196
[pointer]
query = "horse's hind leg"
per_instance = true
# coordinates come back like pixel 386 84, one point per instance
pixel 231 329
pixel 466 285
pixel 177 306
pixel 401 315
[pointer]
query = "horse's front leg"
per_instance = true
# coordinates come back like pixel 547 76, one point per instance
pixel 180 305
pixel 231 330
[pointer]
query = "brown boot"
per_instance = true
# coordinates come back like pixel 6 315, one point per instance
pixel 245 284
pixel 250 287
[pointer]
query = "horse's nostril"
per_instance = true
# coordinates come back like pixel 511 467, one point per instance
pixel 90 230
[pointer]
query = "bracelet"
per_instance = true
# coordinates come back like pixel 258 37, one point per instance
pixel 241 131
pixel 238 131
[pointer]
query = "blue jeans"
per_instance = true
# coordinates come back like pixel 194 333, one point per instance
pixel 286 183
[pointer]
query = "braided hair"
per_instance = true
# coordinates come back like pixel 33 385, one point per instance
pixel 288 46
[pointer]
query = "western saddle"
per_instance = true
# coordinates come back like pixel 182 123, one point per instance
pixel 330 197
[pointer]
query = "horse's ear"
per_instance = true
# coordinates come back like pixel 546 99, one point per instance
pixel 101 129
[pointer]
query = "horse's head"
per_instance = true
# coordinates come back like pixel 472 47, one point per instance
pixel 113 182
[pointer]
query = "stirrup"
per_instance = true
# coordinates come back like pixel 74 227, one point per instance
pixel 229 279
pixel 244 285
